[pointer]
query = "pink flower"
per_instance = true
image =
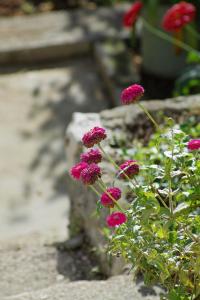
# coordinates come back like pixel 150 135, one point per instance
pixel 130 17
pixel 106 200
pixel 92 156
pixel 90 174
pixel 130 168
pixel 116 218
pixel 94 136
pixel 178 16
pixel 77 169
pixel 132 94
pixel 194 145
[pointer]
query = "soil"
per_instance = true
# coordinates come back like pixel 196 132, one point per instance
pixel 77 260
pixel 157 87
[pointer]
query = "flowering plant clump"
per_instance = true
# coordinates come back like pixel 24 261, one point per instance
pixel 178 16
pixel 115 219
pixel 132 94
pixel 128 169
pixel 158 232
pixel 175 18
pixel 130 17
pixel 92 156
pixel 194 145
pixel 106 197
pixel 90 174
pixel 177 21
pixel 77 169
pixel 93 137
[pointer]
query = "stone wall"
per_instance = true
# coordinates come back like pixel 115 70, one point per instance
pixel 127 122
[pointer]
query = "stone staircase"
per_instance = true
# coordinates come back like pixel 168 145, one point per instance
pixel 116 288
pixel 35 107
pixel 29 271
pixel 27 263
pixel 34 206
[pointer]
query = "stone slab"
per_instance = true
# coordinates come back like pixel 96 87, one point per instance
pixel 39 38
pixel 83 201
pixel 131 115
pixel 116 288
pixel 116 66
pixel 27 264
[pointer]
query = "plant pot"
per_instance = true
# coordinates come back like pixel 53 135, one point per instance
pixel 160 57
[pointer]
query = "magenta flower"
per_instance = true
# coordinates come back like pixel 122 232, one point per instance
pixel 90 174
pixel 77 169
pixel 194 145
pixel 179 15
pixel 106 200
pixel 130 168
pixel 92 156
pixel 132 14
pixel 94 136
pixel 132 94
pixel 116 218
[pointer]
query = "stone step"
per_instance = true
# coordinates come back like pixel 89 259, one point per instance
pixel 27 263
pixel 115 288
pixel 35 107
pixel 116 66
pixel 32 268
pixel 53 35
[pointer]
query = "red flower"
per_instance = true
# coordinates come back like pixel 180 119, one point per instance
pixel 131 15
pixel 130 168
pixel 92 156
pixel 106 200
pixel 94 136
pixel 178 16
pixel 90 174
pixel 194 145
pixel 116 218
pixel 77 169
pixel 132 93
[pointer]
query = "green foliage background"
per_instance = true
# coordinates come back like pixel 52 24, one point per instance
pixel 162 236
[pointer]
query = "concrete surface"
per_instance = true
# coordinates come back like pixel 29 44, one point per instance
pixel 116 288
pixel 35 107
pixel 54 35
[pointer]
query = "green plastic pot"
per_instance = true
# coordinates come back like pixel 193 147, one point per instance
pixel 160 57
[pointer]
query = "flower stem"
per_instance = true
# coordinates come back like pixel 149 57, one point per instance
pixel 111 197
pixel 169 177
pixel 116 166
pixel 160 198
pixel 187 232
pixel 149 116
pixel 191 30
pixel 95 190
pixel 103 184
pixel 169 38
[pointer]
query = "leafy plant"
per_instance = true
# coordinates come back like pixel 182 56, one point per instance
pixel 161 237
pixel 158 232
pixel 189 81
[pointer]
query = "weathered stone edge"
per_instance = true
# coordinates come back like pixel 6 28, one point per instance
pixel 117 287
pixel 68 45
pixel 83 201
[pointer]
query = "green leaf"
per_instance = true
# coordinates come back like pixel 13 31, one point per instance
pixel 173 295
pixel 181 208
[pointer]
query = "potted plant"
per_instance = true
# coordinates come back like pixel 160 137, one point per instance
pixel 164 45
